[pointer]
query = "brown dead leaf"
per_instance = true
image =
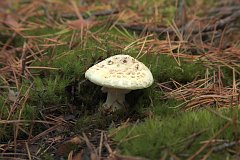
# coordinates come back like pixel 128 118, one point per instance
pixel 100 7
pixel 12 95
pixel 81 23
pixel 68 146
pixel 75 140
pixel 12 21
pixel 93 156
pixel 70 156
pixel 78 156
pixel 54 139
pixel 128 15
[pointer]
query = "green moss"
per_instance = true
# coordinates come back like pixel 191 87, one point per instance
pixel 3 107
pixel 29 112
pixel 71 66
pixel 165 68
pixel 99 120
pixel 90 121
pixel 5 132
pixel 49 90
pixel 153 136
pixel 26 112
pixel 47 156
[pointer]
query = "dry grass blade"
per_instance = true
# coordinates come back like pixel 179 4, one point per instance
pixel 44 133
pixel 101 144
pixel 229 57
pixel 25 121
pixel 28 151
pixel 90 146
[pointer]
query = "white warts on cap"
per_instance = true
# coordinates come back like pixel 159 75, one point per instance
pixel 120 71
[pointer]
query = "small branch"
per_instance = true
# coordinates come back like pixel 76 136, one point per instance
pixel 220 24
pixel 225 146
pixel 105 12
pixel 225 10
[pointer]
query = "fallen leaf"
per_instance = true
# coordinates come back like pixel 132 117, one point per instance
pixel 12 95
pixel 68 146
pixel 12 21
pixel 75 140
pixel 128 15
pixel 54 139
pixel 78 156
pixel 81 23
pixel 70 156
pixel 93 156
pixel 98 8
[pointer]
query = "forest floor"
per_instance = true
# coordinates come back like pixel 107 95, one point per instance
pixel 48 110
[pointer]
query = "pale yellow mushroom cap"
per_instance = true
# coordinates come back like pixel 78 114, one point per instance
pixel 120 71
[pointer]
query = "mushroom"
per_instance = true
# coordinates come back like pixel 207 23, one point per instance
pixel 118 75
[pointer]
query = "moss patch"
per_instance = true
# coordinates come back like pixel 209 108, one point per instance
pixel 153 137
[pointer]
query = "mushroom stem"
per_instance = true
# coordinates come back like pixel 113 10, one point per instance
pixel 115 99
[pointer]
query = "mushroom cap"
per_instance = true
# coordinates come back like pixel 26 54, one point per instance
pixel 120 71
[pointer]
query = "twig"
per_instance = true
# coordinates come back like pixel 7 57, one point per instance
pixel 105 12
pixel 28 151
pixel 89 145
pixel 225 10
pixel 44 133
pixel 220 24
pixel 225 146
pixel 100 145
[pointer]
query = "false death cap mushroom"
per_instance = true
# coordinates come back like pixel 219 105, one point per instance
pixel 118 75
